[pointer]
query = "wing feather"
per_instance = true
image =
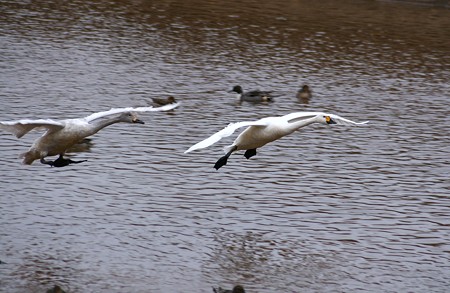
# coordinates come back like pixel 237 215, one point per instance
pixel 227 131
pixel 341 120
pixel 297 116
pixel 21 127
pixel 113 111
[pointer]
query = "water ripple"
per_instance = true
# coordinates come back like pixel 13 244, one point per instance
pixel 334 209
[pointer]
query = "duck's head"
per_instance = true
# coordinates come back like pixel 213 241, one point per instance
pixel 171 100
pixel 130 117
pixel 326 119
pixel 305 88
pixel 237 89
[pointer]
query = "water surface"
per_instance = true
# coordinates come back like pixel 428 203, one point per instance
pixel 326 209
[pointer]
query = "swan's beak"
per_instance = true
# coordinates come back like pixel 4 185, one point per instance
pixel 330 120
pixel 136 120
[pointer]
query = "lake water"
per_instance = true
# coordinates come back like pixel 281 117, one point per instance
pixel 326 209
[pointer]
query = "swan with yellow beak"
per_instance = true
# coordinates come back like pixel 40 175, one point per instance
pixel 259 133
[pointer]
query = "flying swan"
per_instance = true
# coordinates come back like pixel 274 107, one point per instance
pixel 63 134
pixel 265 130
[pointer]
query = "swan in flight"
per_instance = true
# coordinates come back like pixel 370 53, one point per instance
pixel 265 130
pixel 63 134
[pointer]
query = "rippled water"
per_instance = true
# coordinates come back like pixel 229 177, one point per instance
pixel 326 209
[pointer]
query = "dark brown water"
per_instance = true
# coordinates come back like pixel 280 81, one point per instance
pixel 326 209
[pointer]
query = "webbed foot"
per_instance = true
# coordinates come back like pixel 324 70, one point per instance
pixel 249 153
pixel 61 162
pixel 221 162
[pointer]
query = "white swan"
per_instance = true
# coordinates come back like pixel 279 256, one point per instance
pixel 62 134
pixel 263 131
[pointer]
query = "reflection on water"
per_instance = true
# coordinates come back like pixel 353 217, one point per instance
pixel 327 209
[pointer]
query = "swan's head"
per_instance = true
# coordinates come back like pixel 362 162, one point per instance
pixel 130 117
pixel 237 89
pixel 326 119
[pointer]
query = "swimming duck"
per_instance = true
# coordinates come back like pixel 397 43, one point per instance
pixel 63 134
pixel 164 101
pixel 236 289
pixel 265 130
pixel 304 94
pixel 251 96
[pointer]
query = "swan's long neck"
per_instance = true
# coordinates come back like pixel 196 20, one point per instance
pixel 102 124
pixel 302 122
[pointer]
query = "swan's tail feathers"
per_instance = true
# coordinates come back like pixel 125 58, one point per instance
pixel 29 157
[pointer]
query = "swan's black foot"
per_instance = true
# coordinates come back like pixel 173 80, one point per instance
pixel 250 153
pixel 61 162
pixel 221 162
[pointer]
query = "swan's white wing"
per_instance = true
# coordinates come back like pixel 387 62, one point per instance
pixel 298 116
pixel 341 120
pixel 129 109
pixel 21 127
pixel 227 131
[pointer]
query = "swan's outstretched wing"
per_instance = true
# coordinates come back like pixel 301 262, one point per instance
pixel 129 109
pixel 227 131
pixel 21 127
pixel 341 120
pixel 298 116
